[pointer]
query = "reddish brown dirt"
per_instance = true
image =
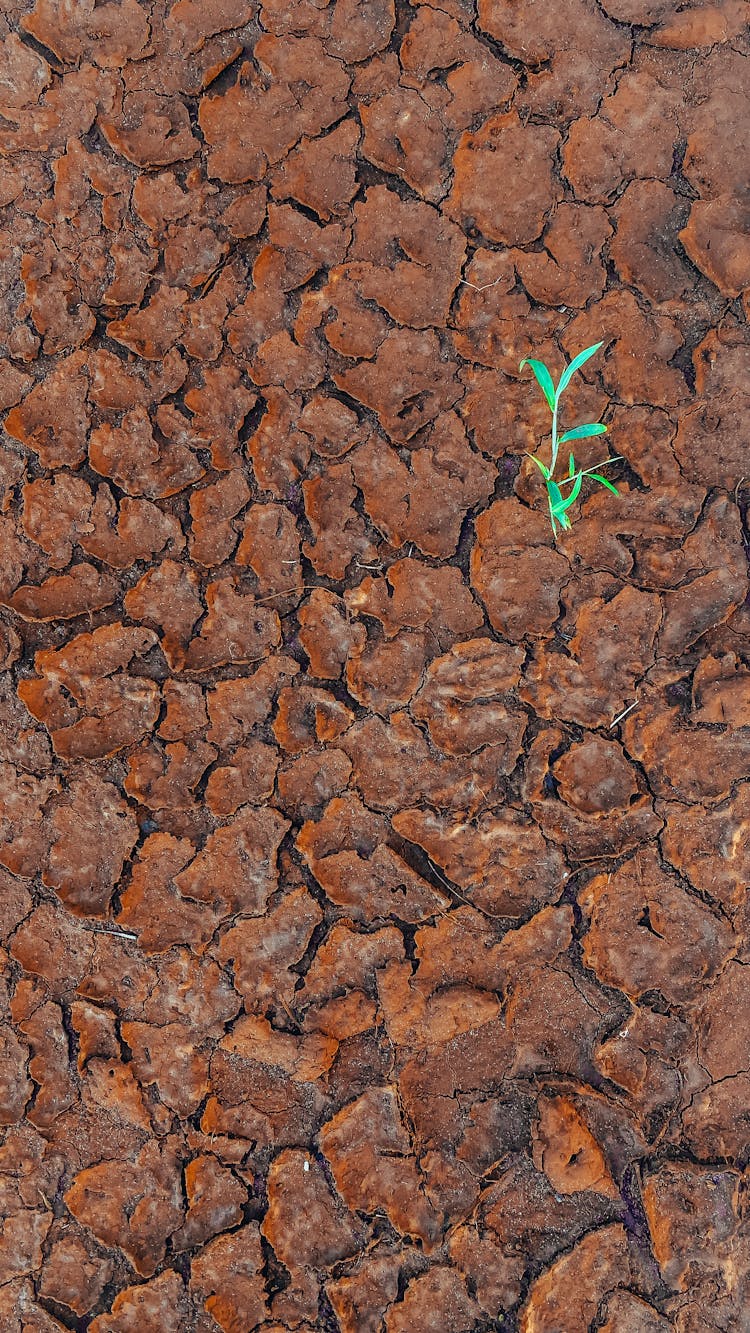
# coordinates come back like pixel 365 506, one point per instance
pixel 366 969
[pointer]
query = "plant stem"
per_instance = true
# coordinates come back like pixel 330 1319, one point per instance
pixel 554 439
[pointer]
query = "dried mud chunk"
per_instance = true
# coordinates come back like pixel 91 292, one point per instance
pixel 227 1278
pixel 360 28
pixel 140 463
pixel 567 1152
pixel 215 1202
pixel 595 777
pixel 327 633
pixel 717 1124
pixel 339 531
pixel 53 419
pixel 426 501
pixel 501 858
pixel 515 571
pixel 25 74
pixel 174 1060
pixel 504 151
pixel 121 34
pixel 685 1206
pixel 435 1299
pixel 264 951
pixel 310 782
pixel 236 706
pixel 660 738
pixel 413 595
pixel 496 1276
pixel 363 1294
pixel 83 590
pixel 150 130
pixel 710 847
pixel 383 751
pixel 405 136
pixel 92 835
pixel 602 153
pixel 167 596
pixel 236 869
pixel 49 1066
pixel 282 361
pixel 15 1086
pixel 347 853
pixel 305 1224
pixel 307 717
pixel 415 290
pixel 300 91
pixel 635 345
pixel 304 1058
pixel 165 777
pixel 56 513
pixel 152 331
pixel 23 1237
pixel 408 383
pixel 611 650
pixel 153 907
pixel 54 300
pixel 385 676
pixel 212 510
pixel 220 407
pixel 321 173
pixel 648 217
pixel 374 1168
pixel 86 696
pixel 331 425
pixel 722 403
pixel 162 1302
pixel 723 1025
pixel 645 933
pixel 570 270
pixel 491 310
pixel 574 1286
pixel 53 945
pixel 278 450
pixel 414 1020
pixel 567 53
pixel 695 608
pixel 236 629
pixel 132 1205
pixel 464 700
pixel 75 1274
pixel 248 779
pixel 270 545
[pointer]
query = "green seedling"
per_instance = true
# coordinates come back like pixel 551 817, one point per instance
pixel 560 501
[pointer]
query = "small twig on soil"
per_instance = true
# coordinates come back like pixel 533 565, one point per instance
pixel 484 286
pixel 624 713
pixel 111 930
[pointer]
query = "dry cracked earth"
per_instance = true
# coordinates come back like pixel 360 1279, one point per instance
pixel 373 899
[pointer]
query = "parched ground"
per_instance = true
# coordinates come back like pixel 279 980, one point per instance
pixel 373 886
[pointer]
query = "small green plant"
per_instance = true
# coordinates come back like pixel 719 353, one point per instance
pixel 559 502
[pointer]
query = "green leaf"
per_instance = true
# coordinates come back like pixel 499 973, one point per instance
pixel 543 378
pixel 596 476
pixel 544 470
pixel 561 505
pixel 575 365
pixel 572 466
pixel 583 432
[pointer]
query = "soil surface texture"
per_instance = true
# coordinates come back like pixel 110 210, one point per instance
pixel 374 869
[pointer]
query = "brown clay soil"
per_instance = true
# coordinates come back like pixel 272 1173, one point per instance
pixel 365 969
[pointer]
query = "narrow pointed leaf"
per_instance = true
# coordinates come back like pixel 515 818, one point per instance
pixel 561 505
pixel 543 378
pixel 572 466
pixel 583 432
pixel 596 476
pixel 544 470
pixel 575 365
